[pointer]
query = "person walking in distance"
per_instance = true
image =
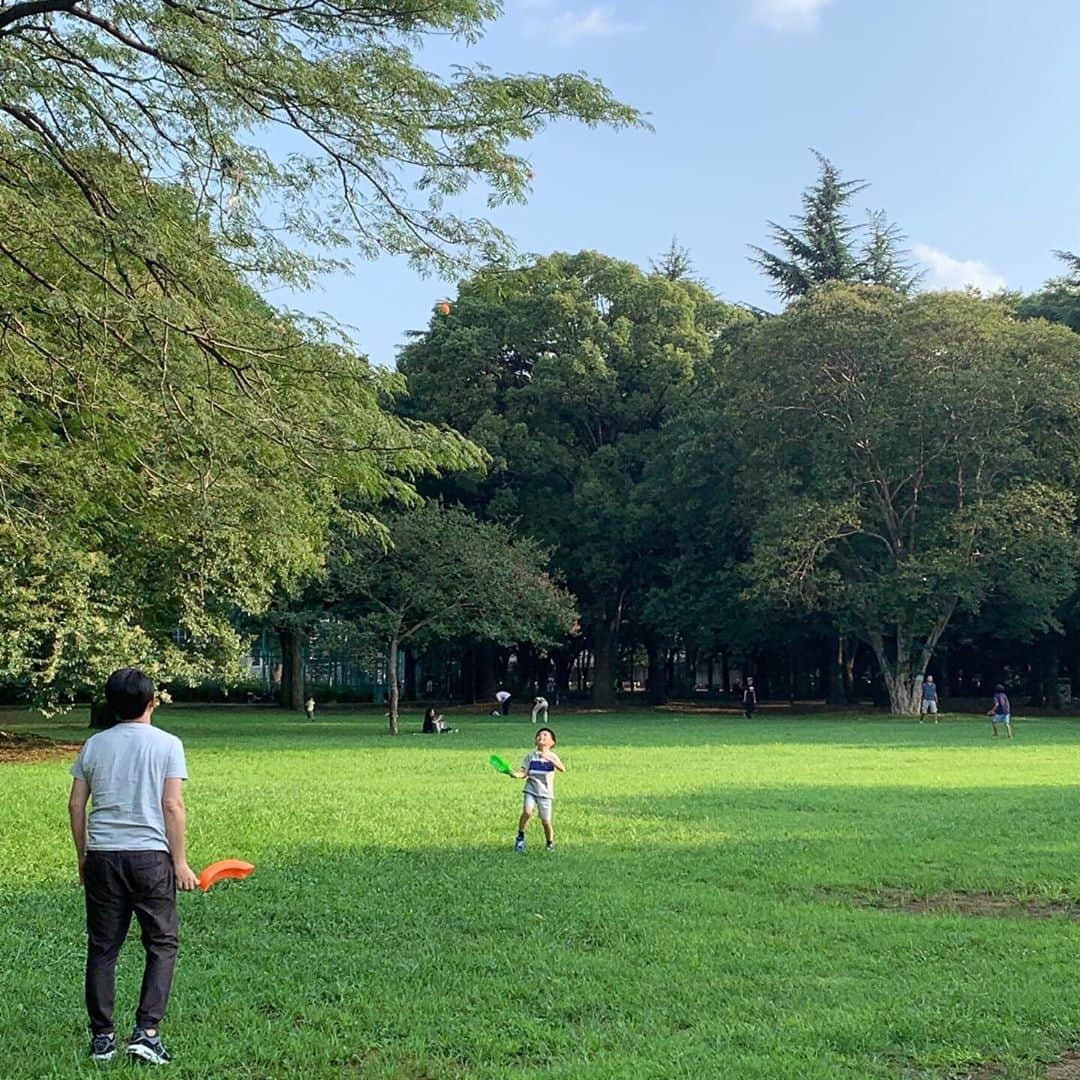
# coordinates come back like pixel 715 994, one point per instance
pixel 132 859
pixel 749 697
pixel 1000 712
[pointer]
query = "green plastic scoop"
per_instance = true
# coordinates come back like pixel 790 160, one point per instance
pixel 499 764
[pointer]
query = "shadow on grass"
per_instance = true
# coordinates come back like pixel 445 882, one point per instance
pixel 604 959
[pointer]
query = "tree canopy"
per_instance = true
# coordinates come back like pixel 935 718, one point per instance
pixel 918 455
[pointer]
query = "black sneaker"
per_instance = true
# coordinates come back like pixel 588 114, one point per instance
pixel 148 1048
pixel 550 847
pixel 103 1047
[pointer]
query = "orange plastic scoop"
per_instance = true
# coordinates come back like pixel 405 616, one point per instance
pixel 227 868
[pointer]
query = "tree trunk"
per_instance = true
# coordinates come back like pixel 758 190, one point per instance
pixel 391 674
pixel 725 672
pixel 410 674
pixel 903 673
pixel 292 667
pixel 605 649
pixel 838 688
pixel 486 675
pixel 944 679
pixel 655 685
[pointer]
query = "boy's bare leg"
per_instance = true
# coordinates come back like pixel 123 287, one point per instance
pixel 523 820
pixel 994 726
pixel 549 832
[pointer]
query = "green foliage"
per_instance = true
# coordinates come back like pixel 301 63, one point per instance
pixel 172 450
pixel 918 454
pixel 825 246
pixel 442 575
pixel 1059 300
pixel 446 576
pixel 377 146
pixel 702 913
pixel 564 372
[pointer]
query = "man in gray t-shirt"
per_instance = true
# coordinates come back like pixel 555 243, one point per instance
pixel 131 858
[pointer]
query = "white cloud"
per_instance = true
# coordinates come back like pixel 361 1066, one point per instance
pixel 596 22
pixel 945 272
pixel 786 15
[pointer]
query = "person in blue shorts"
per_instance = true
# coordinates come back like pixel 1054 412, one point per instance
pixel 929 703
pixel 999 712
pixel 538 771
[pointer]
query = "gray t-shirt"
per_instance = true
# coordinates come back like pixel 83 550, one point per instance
pixel 126 767
pixel 540 781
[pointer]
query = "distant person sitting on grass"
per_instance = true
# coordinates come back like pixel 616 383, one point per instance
pixel 131 859
pixel 540 705
pixel 749 697
pixel 999 712
pixel 434 724
pixel 538 771
pixel 929 703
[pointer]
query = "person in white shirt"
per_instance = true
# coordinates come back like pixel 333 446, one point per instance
pixel 540 705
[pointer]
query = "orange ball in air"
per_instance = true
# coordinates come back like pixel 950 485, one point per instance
pixel 445 308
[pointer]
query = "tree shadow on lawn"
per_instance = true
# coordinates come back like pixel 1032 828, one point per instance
pixel 994 839
pixel 441 961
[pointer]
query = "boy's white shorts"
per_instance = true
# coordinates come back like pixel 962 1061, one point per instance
pixel 539 803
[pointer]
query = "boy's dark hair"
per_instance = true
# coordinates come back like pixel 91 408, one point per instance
pixel 549 731
pixel 128 692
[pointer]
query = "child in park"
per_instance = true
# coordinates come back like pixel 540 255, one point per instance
pixel 538 771
pixel 999 712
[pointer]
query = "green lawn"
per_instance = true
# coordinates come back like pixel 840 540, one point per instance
pixel 696 919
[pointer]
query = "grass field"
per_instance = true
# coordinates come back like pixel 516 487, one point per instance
pixel 709 910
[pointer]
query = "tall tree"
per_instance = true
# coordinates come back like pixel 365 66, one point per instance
pixel 374 149
pixel 148 491
pixel 443 575
pixel 178 446
pixel 919 455
pixel 1059 299
pixel 825 246
pixel 563 372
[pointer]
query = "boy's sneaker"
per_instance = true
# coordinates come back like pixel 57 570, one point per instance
pixel 148 1048
pixel 550 847
pixel 103 1047
pixel 519 845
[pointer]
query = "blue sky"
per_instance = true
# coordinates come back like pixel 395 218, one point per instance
pixel 958 112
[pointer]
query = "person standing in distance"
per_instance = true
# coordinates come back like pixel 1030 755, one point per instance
pixel 929 702
pixel 749 698
pixel 132 859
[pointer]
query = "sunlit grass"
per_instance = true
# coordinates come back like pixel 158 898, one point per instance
pixel 692 922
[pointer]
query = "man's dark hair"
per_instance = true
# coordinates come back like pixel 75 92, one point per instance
pixel 128 692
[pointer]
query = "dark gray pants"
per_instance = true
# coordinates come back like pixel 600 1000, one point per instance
pixel 119 883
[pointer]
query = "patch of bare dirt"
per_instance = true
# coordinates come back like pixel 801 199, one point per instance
pixel 960 903
pixel 22 748
pixel 1066 1067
